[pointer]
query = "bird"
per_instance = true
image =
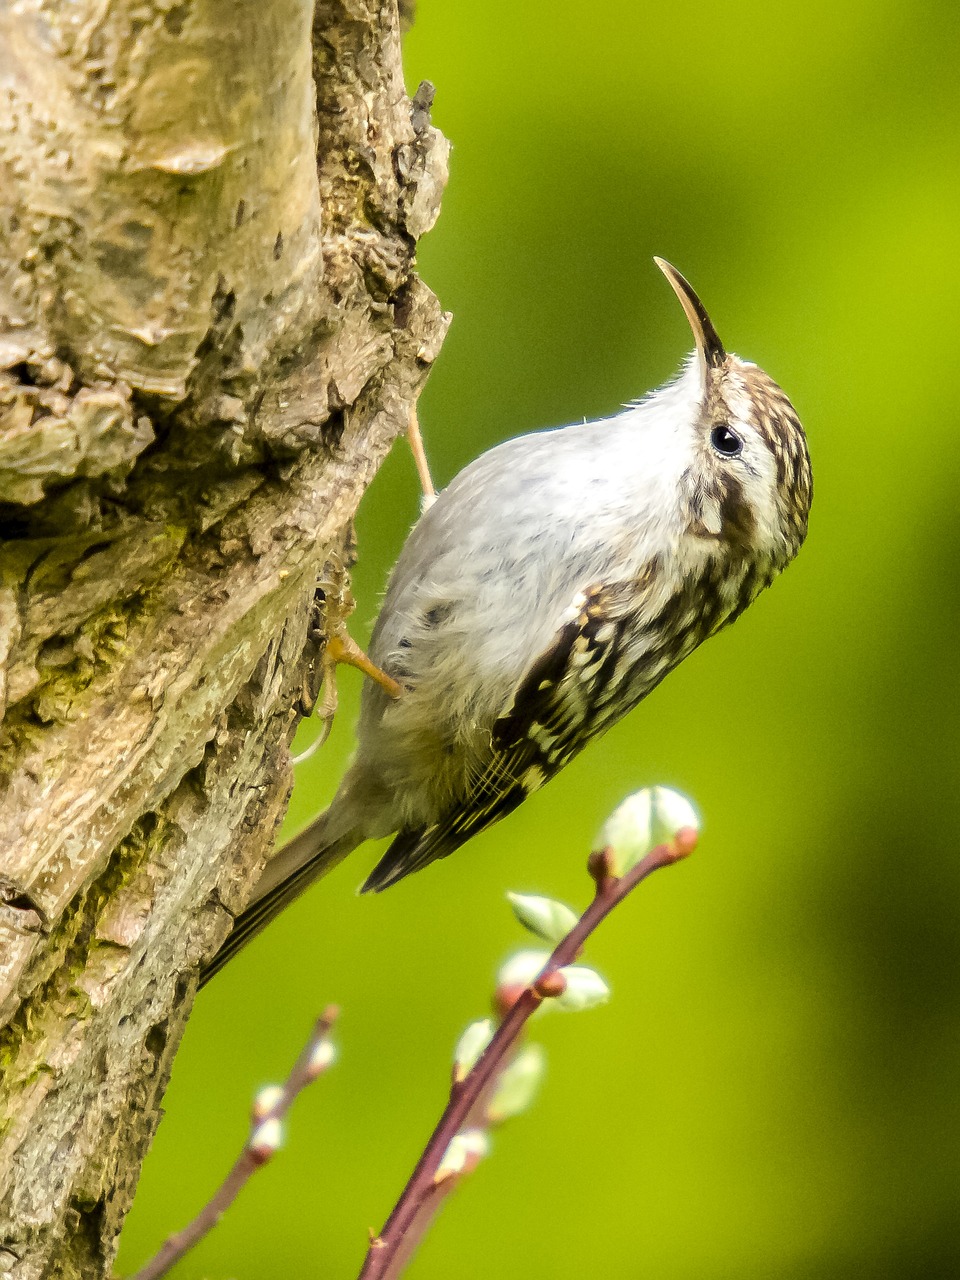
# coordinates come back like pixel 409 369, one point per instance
pixel 543 594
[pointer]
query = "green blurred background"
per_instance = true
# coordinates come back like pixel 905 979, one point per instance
pixel 774 1090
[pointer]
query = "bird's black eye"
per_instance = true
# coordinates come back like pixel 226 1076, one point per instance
pixel 726 442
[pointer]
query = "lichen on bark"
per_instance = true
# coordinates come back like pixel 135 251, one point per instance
pixel 211 332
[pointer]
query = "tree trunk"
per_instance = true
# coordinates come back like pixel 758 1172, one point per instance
pixel 210 334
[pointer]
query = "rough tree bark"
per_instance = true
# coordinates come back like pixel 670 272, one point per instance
pixel 210 334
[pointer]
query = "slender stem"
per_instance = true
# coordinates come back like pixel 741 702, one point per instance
pixel 304 1071
pixel 393 1245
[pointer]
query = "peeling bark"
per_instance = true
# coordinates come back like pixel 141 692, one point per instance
pixel 211 332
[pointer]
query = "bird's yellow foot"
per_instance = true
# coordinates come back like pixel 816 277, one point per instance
pixel 342 647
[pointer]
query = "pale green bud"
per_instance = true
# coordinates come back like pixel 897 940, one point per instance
pixel 467 1147
pixel 518 1084
pixel 266 1100
pixel 470 1046
pixel 266 1140
pixel 324 1055
pixel 522 968
pixel 646 819
pixel 545 917
pixel 584 989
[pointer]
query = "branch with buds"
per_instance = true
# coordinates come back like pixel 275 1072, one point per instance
pixel 493 1078
pixel 266 1135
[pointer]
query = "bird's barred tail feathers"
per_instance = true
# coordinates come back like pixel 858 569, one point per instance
pixel 312 854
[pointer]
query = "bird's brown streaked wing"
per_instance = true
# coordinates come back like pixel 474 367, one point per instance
pixel 566 698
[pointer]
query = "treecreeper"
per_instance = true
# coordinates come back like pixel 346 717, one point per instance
pixel 542 595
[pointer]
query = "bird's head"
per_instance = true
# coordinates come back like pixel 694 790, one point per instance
pixel 749 483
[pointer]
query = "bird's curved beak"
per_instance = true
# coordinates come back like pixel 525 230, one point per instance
pixel 709 347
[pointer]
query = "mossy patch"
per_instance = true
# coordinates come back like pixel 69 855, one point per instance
pixel 58 996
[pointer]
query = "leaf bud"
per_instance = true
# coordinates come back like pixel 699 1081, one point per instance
pixel 518 1084
pixel 551 985
pixel 265 1101
pixel 645 820
pixel 324 1055
pixel 470 1046
pixel 585 989
pixel 466 1149
pixel 545 917
pixel 266 1140
pixel 522 968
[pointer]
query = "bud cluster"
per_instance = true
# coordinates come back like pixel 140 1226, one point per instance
pixel 652 821
pixel 495 1075
pixel 272 1102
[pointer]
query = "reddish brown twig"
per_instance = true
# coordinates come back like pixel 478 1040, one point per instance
pixel 257 1150
pixel 421 1197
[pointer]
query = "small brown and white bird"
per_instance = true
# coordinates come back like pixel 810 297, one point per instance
pixel 548 589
